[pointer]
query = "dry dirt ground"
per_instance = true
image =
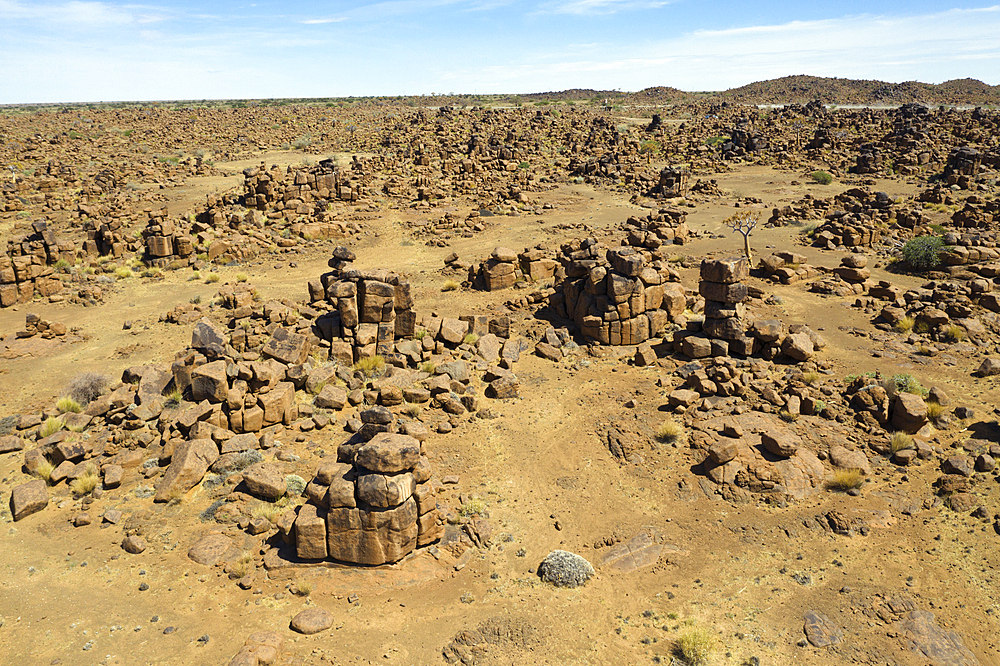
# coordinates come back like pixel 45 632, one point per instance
pixel 745 572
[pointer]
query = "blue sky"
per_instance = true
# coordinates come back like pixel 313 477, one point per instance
pixel 78 51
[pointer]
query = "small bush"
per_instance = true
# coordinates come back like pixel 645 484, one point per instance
pixel 472 507
pixel 175 398
pixel 212 278
pixel 123 272
pixel 821 177
pixel 51 426
pixel 846 479
pixel 902 384
pixel 450 285
pixel 86 482
pixel 923 253
pixel 68 404
pixel 954 333
pixel 371 366
pixel 420 335
pixel 428 366
pixel 241 277
pixel 242 566
pixel 470 339
pixel 819 407
pixel 697 646
pixel 271 511
pixel 412 410
pixel 670 432
pixel 900 441
pixel 905 324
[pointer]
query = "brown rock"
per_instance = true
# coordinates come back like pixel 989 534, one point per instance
pixel 134 544
pixel 909 412
pixel 265 481
pixel 312 621
pixel 331 397
pixel 726 271
pixel 385 491
pixel 389 453
pixel 310 533
pixel 28 498
pixel 723 450
pixel 210 549
pixel 209 382
pixel 188 465
pixel 286 346
pixel 780 442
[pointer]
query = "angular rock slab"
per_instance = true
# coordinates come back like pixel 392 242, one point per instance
pixel 638 552
pixel 941 647
pixel 389 453
pixel 210 549
pixel 28 498
pixel 820 630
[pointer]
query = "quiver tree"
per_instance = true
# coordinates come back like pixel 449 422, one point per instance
pixel 744 223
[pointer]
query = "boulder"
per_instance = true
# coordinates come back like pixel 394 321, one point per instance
pixel 286 346
pixel 312 621
pixel 210 382
pixel 385 491
pixel 780 442
pixel 28 498
pixel 188 464
pixel 389 453
pixel 210 549
pixel 265 481
pixel 909 413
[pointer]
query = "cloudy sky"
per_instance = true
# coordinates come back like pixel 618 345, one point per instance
pixel 77 51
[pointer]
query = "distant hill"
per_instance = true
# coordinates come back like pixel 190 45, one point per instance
pixel 801 88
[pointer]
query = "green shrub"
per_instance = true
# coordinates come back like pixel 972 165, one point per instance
pixel 52 425
pixel 68 404
pixel 923 253
pixel 821 177
pixel 697 646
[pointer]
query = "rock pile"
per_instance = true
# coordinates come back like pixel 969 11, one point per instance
pixel 505 268
pixel 164 240
pixel 371 506
pixel 614 296
pixel 26 267
pixel 35 325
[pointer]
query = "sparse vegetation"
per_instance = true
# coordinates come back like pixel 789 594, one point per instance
pixel 954 333
pixel 473 506
pixel 787 416
pixel 470 339
pixel 935 410
pixel 302 588
pixel 270 510
pixel 212 278
pixel 68 404
pixel 923 253
pixel 697 646
pixel 123 272
pixel 241 277
pixel 905 324
pixel 900 441
pixel 412 410
pixel 241 566
pixel 371 366
pixel 428 366
pixel 902 383
pixel 670 432
pixel 51 426
pixel 86 482
pixel 811 378
pixel 821 177
pixel 450 285
pixel 846 479
pixel 44 469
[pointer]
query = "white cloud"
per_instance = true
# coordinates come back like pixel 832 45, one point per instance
pixel 598 7
pixel 321 21
pixel 79 13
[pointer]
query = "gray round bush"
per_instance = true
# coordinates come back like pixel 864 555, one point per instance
pixel 565 569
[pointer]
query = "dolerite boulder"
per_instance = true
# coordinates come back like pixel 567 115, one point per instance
pixel 373 506
pixel 564 569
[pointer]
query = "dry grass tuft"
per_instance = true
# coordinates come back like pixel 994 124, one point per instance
pixel 954 333
pixel 86 482
pixel 905 324
pixel 269 510
pixel 44 469
pixel 935 410
pixel 788 416
pixel 68 404
pixel 846 479
pixel 810 378
pixel 670 432
pixel 52 425
pixel 302 588
pixel 900 441
pixel 450 285
pixel 697 646
pixel 412 410
pixel 371 366
pixel 87 386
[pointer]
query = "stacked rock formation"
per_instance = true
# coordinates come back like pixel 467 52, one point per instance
pixel 164 241
pixel 962 167
pixel 27 265
pixel 298 190
pixel 726 319
pixel 372 506
pixel 505 268
pixel 35 325
pixel 622 300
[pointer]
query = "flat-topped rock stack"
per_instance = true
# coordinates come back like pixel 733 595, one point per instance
pixel 164 240
pixel 665 227
pixel 724 329
pixel 298 191
pixel 787 267
pixel 672 182
pixel 962 167
pixel 371 505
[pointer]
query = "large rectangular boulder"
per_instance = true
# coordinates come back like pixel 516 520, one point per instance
pixel 188 465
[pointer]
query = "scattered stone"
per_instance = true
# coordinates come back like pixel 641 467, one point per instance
pixel 564 569
pixel 312 621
